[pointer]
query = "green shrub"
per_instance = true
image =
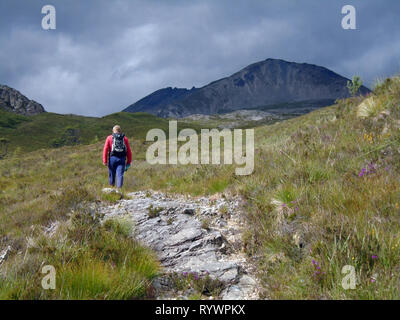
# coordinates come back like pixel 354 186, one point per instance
pixel 153 212
pixel 354 85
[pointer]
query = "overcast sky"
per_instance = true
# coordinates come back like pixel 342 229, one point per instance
pixel 105 55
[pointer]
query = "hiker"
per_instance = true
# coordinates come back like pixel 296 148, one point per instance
pixel 117 155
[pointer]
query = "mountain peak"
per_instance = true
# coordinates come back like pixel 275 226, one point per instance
pixel 265 83
pixel 159 99
pixel 14 101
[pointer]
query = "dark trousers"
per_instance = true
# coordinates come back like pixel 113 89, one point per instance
pixel 116 169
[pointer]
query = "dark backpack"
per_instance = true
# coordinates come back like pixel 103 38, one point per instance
pixel 118 146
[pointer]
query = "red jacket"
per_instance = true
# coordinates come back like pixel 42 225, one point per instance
pixel 108 148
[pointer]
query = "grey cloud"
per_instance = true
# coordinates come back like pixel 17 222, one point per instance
pixel 105 55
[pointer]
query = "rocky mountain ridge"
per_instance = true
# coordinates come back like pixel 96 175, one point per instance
pixel 263 84
pixel 14 101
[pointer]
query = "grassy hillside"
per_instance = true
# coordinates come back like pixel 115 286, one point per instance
pixel 49 130
pixel 325 193
pixel 93 261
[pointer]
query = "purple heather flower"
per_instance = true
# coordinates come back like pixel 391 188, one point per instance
pixel 374 257
pixel 316 263
pixel 364 171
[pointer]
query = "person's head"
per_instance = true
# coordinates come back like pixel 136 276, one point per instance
pixel 117 129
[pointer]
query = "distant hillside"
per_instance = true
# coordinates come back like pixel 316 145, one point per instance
pixel 262 84
pixel 50 130
pixel 13 101
pixel 158 99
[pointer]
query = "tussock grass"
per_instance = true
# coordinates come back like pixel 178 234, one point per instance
pixel 325 193
pixel 325 189
pixel 342 174
pixel 112 197
pixel 92 261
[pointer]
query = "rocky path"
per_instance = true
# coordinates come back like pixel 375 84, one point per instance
pixel 191 235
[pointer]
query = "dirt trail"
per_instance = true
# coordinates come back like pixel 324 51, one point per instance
pixel 191 235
